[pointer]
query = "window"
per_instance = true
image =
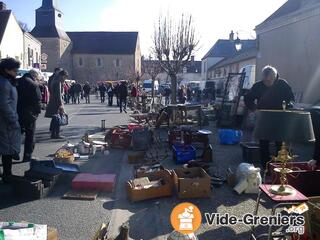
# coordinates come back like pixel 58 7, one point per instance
pixel 80 62
pixel 99 62
pixel 118 63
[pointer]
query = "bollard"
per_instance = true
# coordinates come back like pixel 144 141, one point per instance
pixel 103 124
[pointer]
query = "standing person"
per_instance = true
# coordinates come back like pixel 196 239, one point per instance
pixel 71 93
pixel 55 101
pixel 110 94
pixel 102 90
pixel 167 93
pixel 116 93
pixel 77 92
pixel 86 91
pixel 29 108
pixel 189 93
pixel 270 93
pixel 10 132
pixel 123 94
pixel 134 95
pixel 66 93
pixel 56 71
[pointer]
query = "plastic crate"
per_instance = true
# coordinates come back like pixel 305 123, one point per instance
pixel 121 138
pixel 229 136
pixel 183 153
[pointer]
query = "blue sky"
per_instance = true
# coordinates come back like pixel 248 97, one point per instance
pixel 214 19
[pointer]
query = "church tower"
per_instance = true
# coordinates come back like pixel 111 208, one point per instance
pixel 56 44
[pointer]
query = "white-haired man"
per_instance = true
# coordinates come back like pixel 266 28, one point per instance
pixel 269 93
pixel 29 108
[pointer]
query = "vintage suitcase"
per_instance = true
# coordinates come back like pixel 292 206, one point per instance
pixel 27 188
pixel 87 181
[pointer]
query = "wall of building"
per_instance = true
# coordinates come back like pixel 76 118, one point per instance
pixel 51 47
pixel 91 71
pixel 12 41
pixel 138 57
pixel 294 50
pixel 32 51
pixel 206 64
pixel 231 68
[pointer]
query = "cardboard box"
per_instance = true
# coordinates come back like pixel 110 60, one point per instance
pixel 163 190
pixel 136 157
pixel 52 234
pixel 144 170
pixel 192 183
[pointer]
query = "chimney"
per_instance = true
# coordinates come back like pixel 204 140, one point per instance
pixel 231 36
pixel 3 6
pixel 192 58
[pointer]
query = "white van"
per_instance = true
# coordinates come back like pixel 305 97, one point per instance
pixel 147 85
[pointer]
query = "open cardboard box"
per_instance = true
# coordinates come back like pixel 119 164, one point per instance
pixel 164 190
pixel 192 183
pixel 150 167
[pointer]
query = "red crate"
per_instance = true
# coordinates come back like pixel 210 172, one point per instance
pixel 133 126
pixel 121 138
pixel 87 181
pixel 301 178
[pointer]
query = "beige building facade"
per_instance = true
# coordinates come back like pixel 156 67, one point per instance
pixel 289 40
pixel 87 56
pixel 32 51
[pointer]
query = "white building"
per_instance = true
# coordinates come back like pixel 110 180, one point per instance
pixel 11 35
pixel 16 43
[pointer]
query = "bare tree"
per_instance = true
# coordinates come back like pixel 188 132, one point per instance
pixel 24 26
pixel 153 69
pixel 174 42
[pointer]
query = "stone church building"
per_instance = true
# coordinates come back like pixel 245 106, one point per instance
pixel 87 56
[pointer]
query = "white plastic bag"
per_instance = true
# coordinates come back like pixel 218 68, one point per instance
pixel 22 231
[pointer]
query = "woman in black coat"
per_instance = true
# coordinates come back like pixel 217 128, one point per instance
pixel 10 132
pixel 55 90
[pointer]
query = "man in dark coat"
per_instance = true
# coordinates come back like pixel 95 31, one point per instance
pixel 29 108
pixel 86 91
pixel 123 94
pixel 55 100
pixel 269 94
pixel 77 92
pixel 116 93
pixel 102 90
pixel 110 94
pixel 10 132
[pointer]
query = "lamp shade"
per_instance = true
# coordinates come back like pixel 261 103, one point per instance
pixel 288 126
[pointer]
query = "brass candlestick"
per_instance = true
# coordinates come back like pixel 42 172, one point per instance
pixel 283 157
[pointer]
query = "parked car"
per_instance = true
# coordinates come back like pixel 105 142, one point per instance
pixel 147 86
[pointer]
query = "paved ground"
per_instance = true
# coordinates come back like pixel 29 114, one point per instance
pixel 148 220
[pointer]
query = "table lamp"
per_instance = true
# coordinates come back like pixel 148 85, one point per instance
pixel 283 126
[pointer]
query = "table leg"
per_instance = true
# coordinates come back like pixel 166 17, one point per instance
pixel 256 210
